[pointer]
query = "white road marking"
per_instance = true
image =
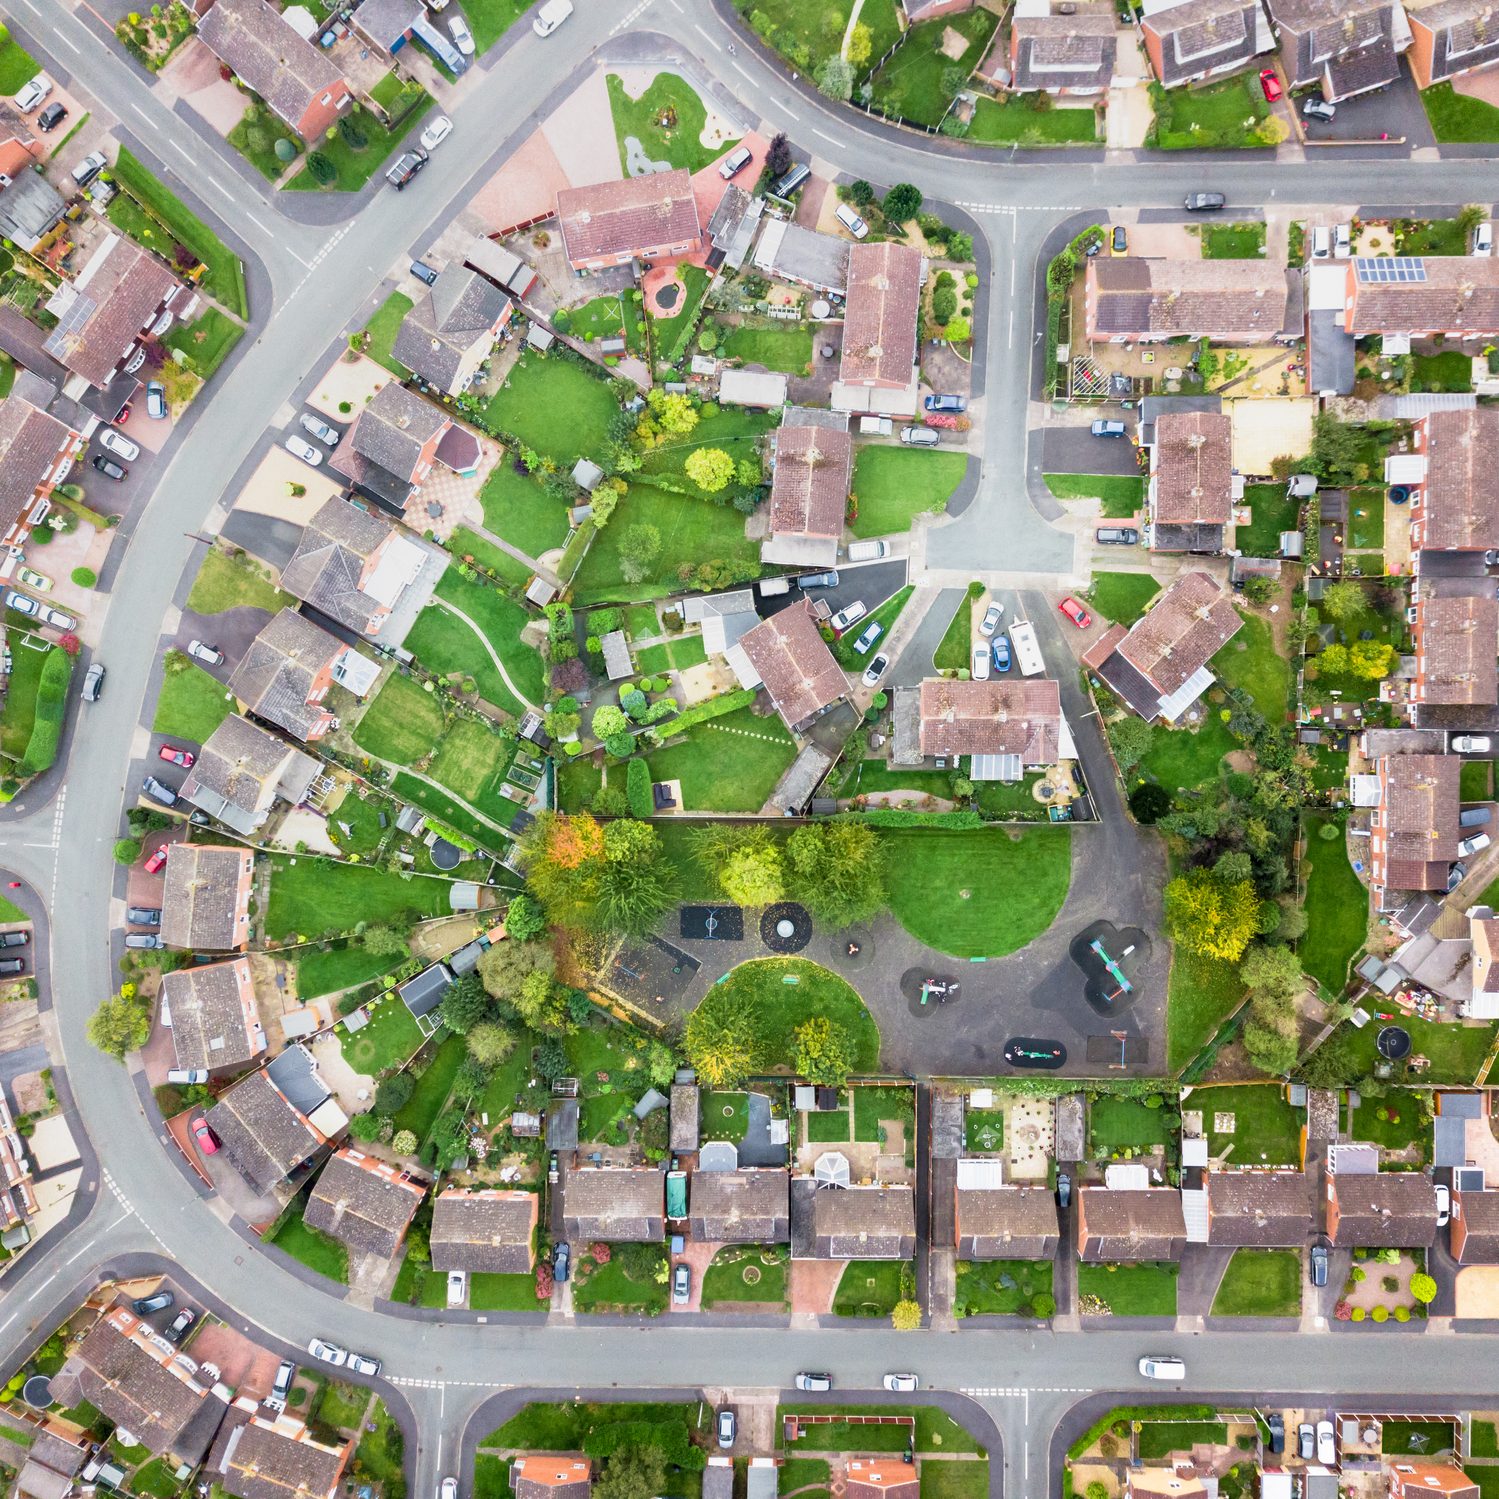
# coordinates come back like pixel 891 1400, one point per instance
pixel 141 112
pixel 707 38
pixel 741 72
pixel 183 153
pixel 256 222
pixel 787 112
pixel 71 46
pixel 825 136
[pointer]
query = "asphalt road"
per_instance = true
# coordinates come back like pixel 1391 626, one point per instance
pixel 321 281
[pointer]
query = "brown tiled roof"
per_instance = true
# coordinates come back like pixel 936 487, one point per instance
pixel 1457 649
pixel 864 1223
pixel 879 319
pixel 330 558
pixel 207 1004
pixel 1193 468
pixel 458 313
pixel 991 718
pixel 634 216
pixel 1431 1478
pixel 1479 1213
pixel 1075 52
pixel 1203 36
pixel 751 1206
pixel 616 1204
pixel 550 1475
pixel 247 766
pixel 1420 808
pixel 1259 1209
pixel 394 428
pixel 1007 1223
pixel 1460 498
pixel 1144 1224
pixel 1385 1210
pixel 488 1231
pixel 809 489
pixel 363 1203
pixel 30 441
pixel 1166 298
pixel 1484 931
pixel 287 71
pixel 1465 34
pixel 261 1132
pixel 794 663
pixel 1181 632
pixel 886 1477
pixel 1460 292
pixel 278 1460
pixel 276 674
pixel 201 907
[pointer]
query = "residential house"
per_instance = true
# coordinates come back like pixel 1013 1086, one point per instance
pixel 205 902
pixel 1167 1483
pixel 36 452
pixel 451 328
pixel 504 267
pixel 51 1467
pixel 1456 633
pixel 1116 1225
pixel 1193 40
pixel 1003 1222
pixel 614 1204
pixel 831 1222
pixel 1132 298
pixel 129 1373
pixel 1449 38
pixel 787 655
pixel 887 1477
pixel 1191 493
pixel 1413 830
pixel 1454 503
pixel 211 1011
pixel 30 208
pixel 809 489
pixel 1159 666
pixel 106 311
pixel 638 218
pixel 1006 726
pixel 731 228
pixel 352 566
pixel 18 1201
pixel 285 674
pixel 1475 1226
pixel 803 256
pixel 1064 50
pixel 265 1136
pixel 396 439
pixel 364 1202
pixel 1381 1209
pixel 550 1475
pixel 1456 296
pixel 878 372
pixel 1483 933
pixel 485 1231
pixel 1349 47
pixel 275 1457
pixel 20 150
pixel 1428 1478
pixel 299 81
pixel 1254 1209
pixel 242 771
pixel 748 1206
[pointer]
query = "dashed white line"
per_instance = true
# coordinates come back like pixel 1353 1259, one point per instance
pixel 741 72
pixel 707 38
pixel 177 147
pixel 141 112
pixel 29 6
pixel 256 222
pixel 825 136
pixel 71 46
pixel 788 113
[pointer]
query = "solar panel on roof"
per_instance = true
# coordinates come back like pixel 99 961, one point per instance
pixel 1384 270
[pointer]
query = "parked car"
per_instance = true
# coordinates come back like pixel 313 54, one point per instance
pixel 156 861
pixel 990 622
pixel 156 401
pixel 551 16
pixel 726 1426
pixel 424 272
pixel 436 133
pixel 901 1382
pixel 1116 536
pixel 448 1489
pixel 1162 1366
pixel 818 580
pixel 735 162
pixel 108 467
pixel 980 671
pixel 1319 1263
pixel 144 941
pixel 1483 239
pixel 23 603
pixel 875 670
pixel 1104 428
pixel 407 165
pixel 143 915
pixel 148 1304
pixel 1471 744
pixel 52 116
pixel 814 1381
pixel 867 551
pixel 1473 817
pixel 1000 648
pixel 56 618
pixel 93 683
pixel 1118 241
pixel 281 1385
pixel 1473 845
pixel 187 1316
pixel 1455 876
pixel 945 403
pixel 1327 1447
pixel 33 93
pixel 1064 1189
pixel 159 792
pixel 1444 1204
pixel 1275 1424
pixel 457 1287
pixel 318 428
pixel 562 1263
pixel 1342 241
pixel 207 1141
pixel 10 967
pixel 329 1353
pixel 174 755
pixel 851 221
pixel 187 1077
pixel 119 445
pixel 1319 109
pixel 920 437
pixel 849 616
pixel 89 168
pixel 362 1363
pixel 1204 202
pixel 1075 612
pixel 209 653
pixel 300 448
pixel 32 579
pixel 681 1285
pixel 1270 85
pixel 867 636
pixel 14 939
pixel 1306 1442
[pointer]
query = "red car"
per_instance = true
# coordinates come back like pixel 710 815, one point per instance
pixel 124 415
pixel 156 860
pixel 1075 612
pixel 1270 84
pixel 208 1142
pixel 175 756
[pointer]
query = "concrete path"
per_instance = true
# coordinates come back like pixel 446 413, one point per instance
pixel 499 665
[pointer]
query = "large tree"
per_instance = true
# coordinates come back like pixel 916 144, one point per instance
pixel 507 965
pixel 540 1003
pixel 524 919
pixel 721 1042
pixel 1130 738
pixel 120 1025
pixel 836 869
pixel 633 1472
pixel 1343 600
pixel 822 1052
pixel 709 468
pixel 637 882
pixel 1213 917
pixel 465 1004
pixel 491 1042
pixel 743 860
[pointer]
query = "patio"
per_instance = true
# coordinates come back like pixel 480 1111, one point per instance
pixel 1030 1138
pixel 449 500
pixel 268 490
pixel 347 386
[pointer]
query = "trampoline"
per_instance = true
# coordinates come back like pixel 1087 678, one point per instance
pixel 445 855
pixel 712 924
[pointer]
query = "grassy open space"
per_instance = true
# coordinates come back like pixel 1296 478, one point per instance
pixel 1457 119
pixel 443 642
pixel 806 35
pixel 954 650
pixel 1188 757
pixel 224 276
pixel 380 1452
pixel 1434 236
pixel 1018 121
pixel 555 406
pixel 747 1273
pixel 18 715
pixel 1233 241
pixel 382 329
pixel 894 485
pixel 434 1081
pixel 884 616
pixel 312 896
pixel 519 511
pixel 1143 1290
pixel 390 1038
pixel 783 347
pixel 1125 1123
pixel 206 341
pixel 447 808
pixel 1396 1122
pixel 341 967
pixel 735 431
pixel 880 775
pixel 17 67
pixel 566 1427
pixel 955 1480
pixel 1201 994
pixel 1157 1438
pixel 493 560
pixel 977 892
pixel 982 1289
pixel 311 1248
pixel 876 1106
pixel 936 1431
pixel 612 1289
pixel 868 1288
pixel 191 706
pixel 671 655
pixel 471 762
pixel 1122 494
pixel 1366 519
pixel 1251 662
pixel 681 143
pixel 1337 907
pixel 352 166
pixel 1260 1283
pixel 728 764
pixel 224 582
pixel 1273 513
pixel 1218 115
pixel 402 723
pixel 912 84
pixel 1266 1129
pixel 804 1473
pixel 1122 597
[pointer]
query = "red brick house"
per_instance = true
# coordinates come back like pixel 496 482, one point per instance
pixel 1414 832
pixel 1203 38
pixel 1454 505
pixel 1422 296
pixel 36 450
pixel 878 371
pixel 1457 647
pixel 1451 37
pixel 640 218
pixel 809 489
pixel 286 673
pixel 1423 1478
pixel 1132 298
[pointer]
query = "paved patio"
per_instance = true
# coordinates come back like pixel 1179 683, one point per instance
pixel 351 378
pixel 267 490
pixel 449 500
pixel 193 76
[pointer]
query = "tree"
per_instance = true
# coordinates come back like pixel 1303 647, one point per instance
pixel 674 413
pixel 384 942
pixel 748 471
pixel 471 1079
pixel 906 1317
pixel 1234 865
pixel 1371 659
pixel 1272 1048
pixel 540 1003
pixel 127 850
pixel 902 203
pixel 744 861
pixel 393 1093
pixel 507 965
pixel 1333 660
pixel 861 45
pixel 1213 917
pixel 1096 1490
pixel 1423 1288
pixel 1130 740
pixel 1272 973
pixel 639 547
pixel 633 1472
pixel 524 919
pixel 120 1025
pixel 491 1043
pixel 1343 600
pixel 836 869
pixel 637 884
pixel 609 721
pixel 466 1004
pixel 1259 590
pixel 709 468
pixel 369 1126
pixel 1471 217
pixel 960 329
pixel 1149 803
pixel 835 78
pixel 860 193
pixel 778 156
pixel 1340 451
pixel 404 1142
pixel 721 1043
pixel 822 1053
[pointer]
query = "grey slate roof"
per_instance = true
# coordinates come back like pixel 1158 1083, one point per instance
pixel 30 207
pixel 1386 1210
pixel 1007 1223
pixel 1125 1225
pixel 394 427
pixel 454 315
pixel 287 71
pixel 262 1462
pixel 276 674
pixel 261 1133
pixel 1073 52
pixel 200 899
pixel 1465 34
pixel 331 554
pixel 616 1204
pixel 361 1206
pixel 488 1232
pixel 1260 1209
pixel 740 1207
pixel 858 1223
pixel 30 441
pixel 208 1020
pixel 242 769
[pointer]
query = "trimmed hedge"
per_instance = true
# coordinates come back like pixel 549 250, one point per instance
pixel 715 707
pixel 638 789
pixel 894 817
pixel 51 708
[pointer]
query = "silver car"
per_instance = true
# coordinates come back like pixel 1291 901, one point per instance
pixel 990 623
pixel 319 429
pixel 329 1353
pixel 118 444
pixel 304 450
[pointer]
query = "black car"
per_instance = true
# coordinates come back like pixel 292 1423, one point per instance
pixel 52 116
pixel 157 1303
pixel 1116 536
pixel 1319 1264
pixel 10 967
pixel 1275 1424
pixel 561 1262
pixel 143 915
pixel 108 467
pixel 180 1324
pixel 424 272
pixel 406 167
pixel 1204 202
pixel 1064 1189
pixel 14 939
pixel 159 792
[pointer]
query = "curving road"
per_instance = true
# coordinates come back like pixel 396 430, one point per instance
pixel 321 281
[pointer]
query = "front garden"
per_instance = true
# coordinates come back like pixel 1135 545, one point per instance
pixel 921 80
pixel 1260 1283
pixel 749 1277
pixel 1006 1288
pixel 361 143
pixel 1142 1290
pixel 892 486
pixel 1216 116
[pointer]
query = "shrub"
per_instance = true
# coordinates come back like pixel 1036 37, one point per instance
pixel 638 789
pixel 84 577
pixel 51 705
pixel 1381 1314
pixel 127 851
pixel 393 1093
pixel 714 707
pixel 322 169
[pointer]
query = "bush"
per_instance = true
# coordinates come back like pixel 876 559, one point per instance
pixel 127 851
pixel 638 789
pixel 393 1093
pixel 323 171
pixel 944 304
pixel 84 577
pixel 51 705
pixel 714 707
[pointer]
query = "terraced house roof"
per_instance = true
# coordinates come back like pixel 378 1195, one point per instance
pixel 286 70
pixel 364 1203
pixel 213 1014
pixel 809 489
pixel 1193 468
pixel 488 1231
pixel 261 1132
pixel 1259 1209
pixel 1383 1210
pixel 279 672
pixel 864 1223
pixel 1131 295
pixel 1423 294
pixel 278 1460
pixel 1127 1225
pixel 879 319
pixel 1009 1222
pixel 204 901
pixel 1419 808
pixel 1181 632
pixel 30 444
pixel 1457 649
pixel 740 1207
pixel 1460 498
pixel 618 1204
pixel 991 718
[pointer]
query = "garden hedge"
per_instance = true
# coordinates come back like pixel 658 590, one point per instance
pixel 895 817
pixel 715 707
pixel 638 789
pixel 51 706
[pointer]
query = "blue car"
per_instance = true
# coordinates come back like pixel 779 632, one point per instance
pixel 1001 653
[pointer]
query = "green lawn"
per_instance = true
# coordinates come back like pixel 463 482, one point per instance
pixel 263 158
pixel 390 1038
pixel 492 560
pixel 1122 597
pixel 402 723
pixel 10 911
pixel 1144 1290
pixel 342 1406
pixel 519 511
pixel 1475 783
pixel 556 407
pixel 471 762
pixel 341 967
pixel 723 1116
pixel 1157 1438
pixel 224 582
pixel 880 775
pixel 446 808
pixel 1219 115
pixel 155 1480
pixel 1122 494
pixel 1120 1123
pixel 1456 1051
pixel 1396 1122
pixel 353 168
pixel 608 316
pixel 984 1129
pixel 875 1106
pixel 968 1480
pixel 490 19
pixel 1260 1283
pixel 1201 994
pixel 207 341
pixel 191 706
pixel 936 1431
pixel 912 84
pixel 224 277
pixel 784 347
pixel 954 650
pixel 803 1473
pixel 1457 119
pixel 868 1288
pixel 982 1288
pixel 977 892
pixel 886 615
pixel 382 329
pixel 1180 758
pixel 1434 237
pixel 1266 1129
pixel 1251 662
pixel 18 715
pixel 1367 519
pixel 1337 908
pixel 1019 121
pixel 566 1428
pixel 1421 1438
pixel 807 35
pixel 503 1293
pixel 313 1249
pixel 668 330
pixel 894 485
pixel 17 67
pixel 610 1288
pixel 381 1452
pixel 1233 241
pixel 1451 370
pixel 746 1273
pixel 734 430
pixel 1273 513
pixel 672 655
pixel 434 1081
pixel 728 764
pixel 313 896
pixel 681 143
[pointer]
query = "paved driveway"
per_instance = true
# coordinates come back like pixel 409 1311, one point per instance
pixel 1394 111
pixel 1074 450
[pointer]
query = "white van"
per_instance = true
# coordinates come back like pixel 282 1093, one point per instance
pixel 551 16
pixel 867 551
pixel 1162 1366
pixel 876 426
pixel 851 221
pixel 1321 243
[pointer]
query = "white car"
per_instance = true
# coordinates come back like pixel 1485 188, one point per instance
pixel 56 618
pixel 1327 1450
pixel 33 93
pixel 33 579
pixel 319 429
pixel 990 622
pixel 980 671
pixel 463 38
pixel 1470 744
pixel 200 652
pixel 304 450
pixel 457 1287
pixel 362 1363
pixel 437 132
pixel 118 444
pixel 1444 1205
pixel 876 669
pixel 1483 239
pixel 329 1353
pixel 846 617
pixel 448 1489
pixel 551 16
pixel 23 603
pixel 901 1382
pixel 1162 1366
